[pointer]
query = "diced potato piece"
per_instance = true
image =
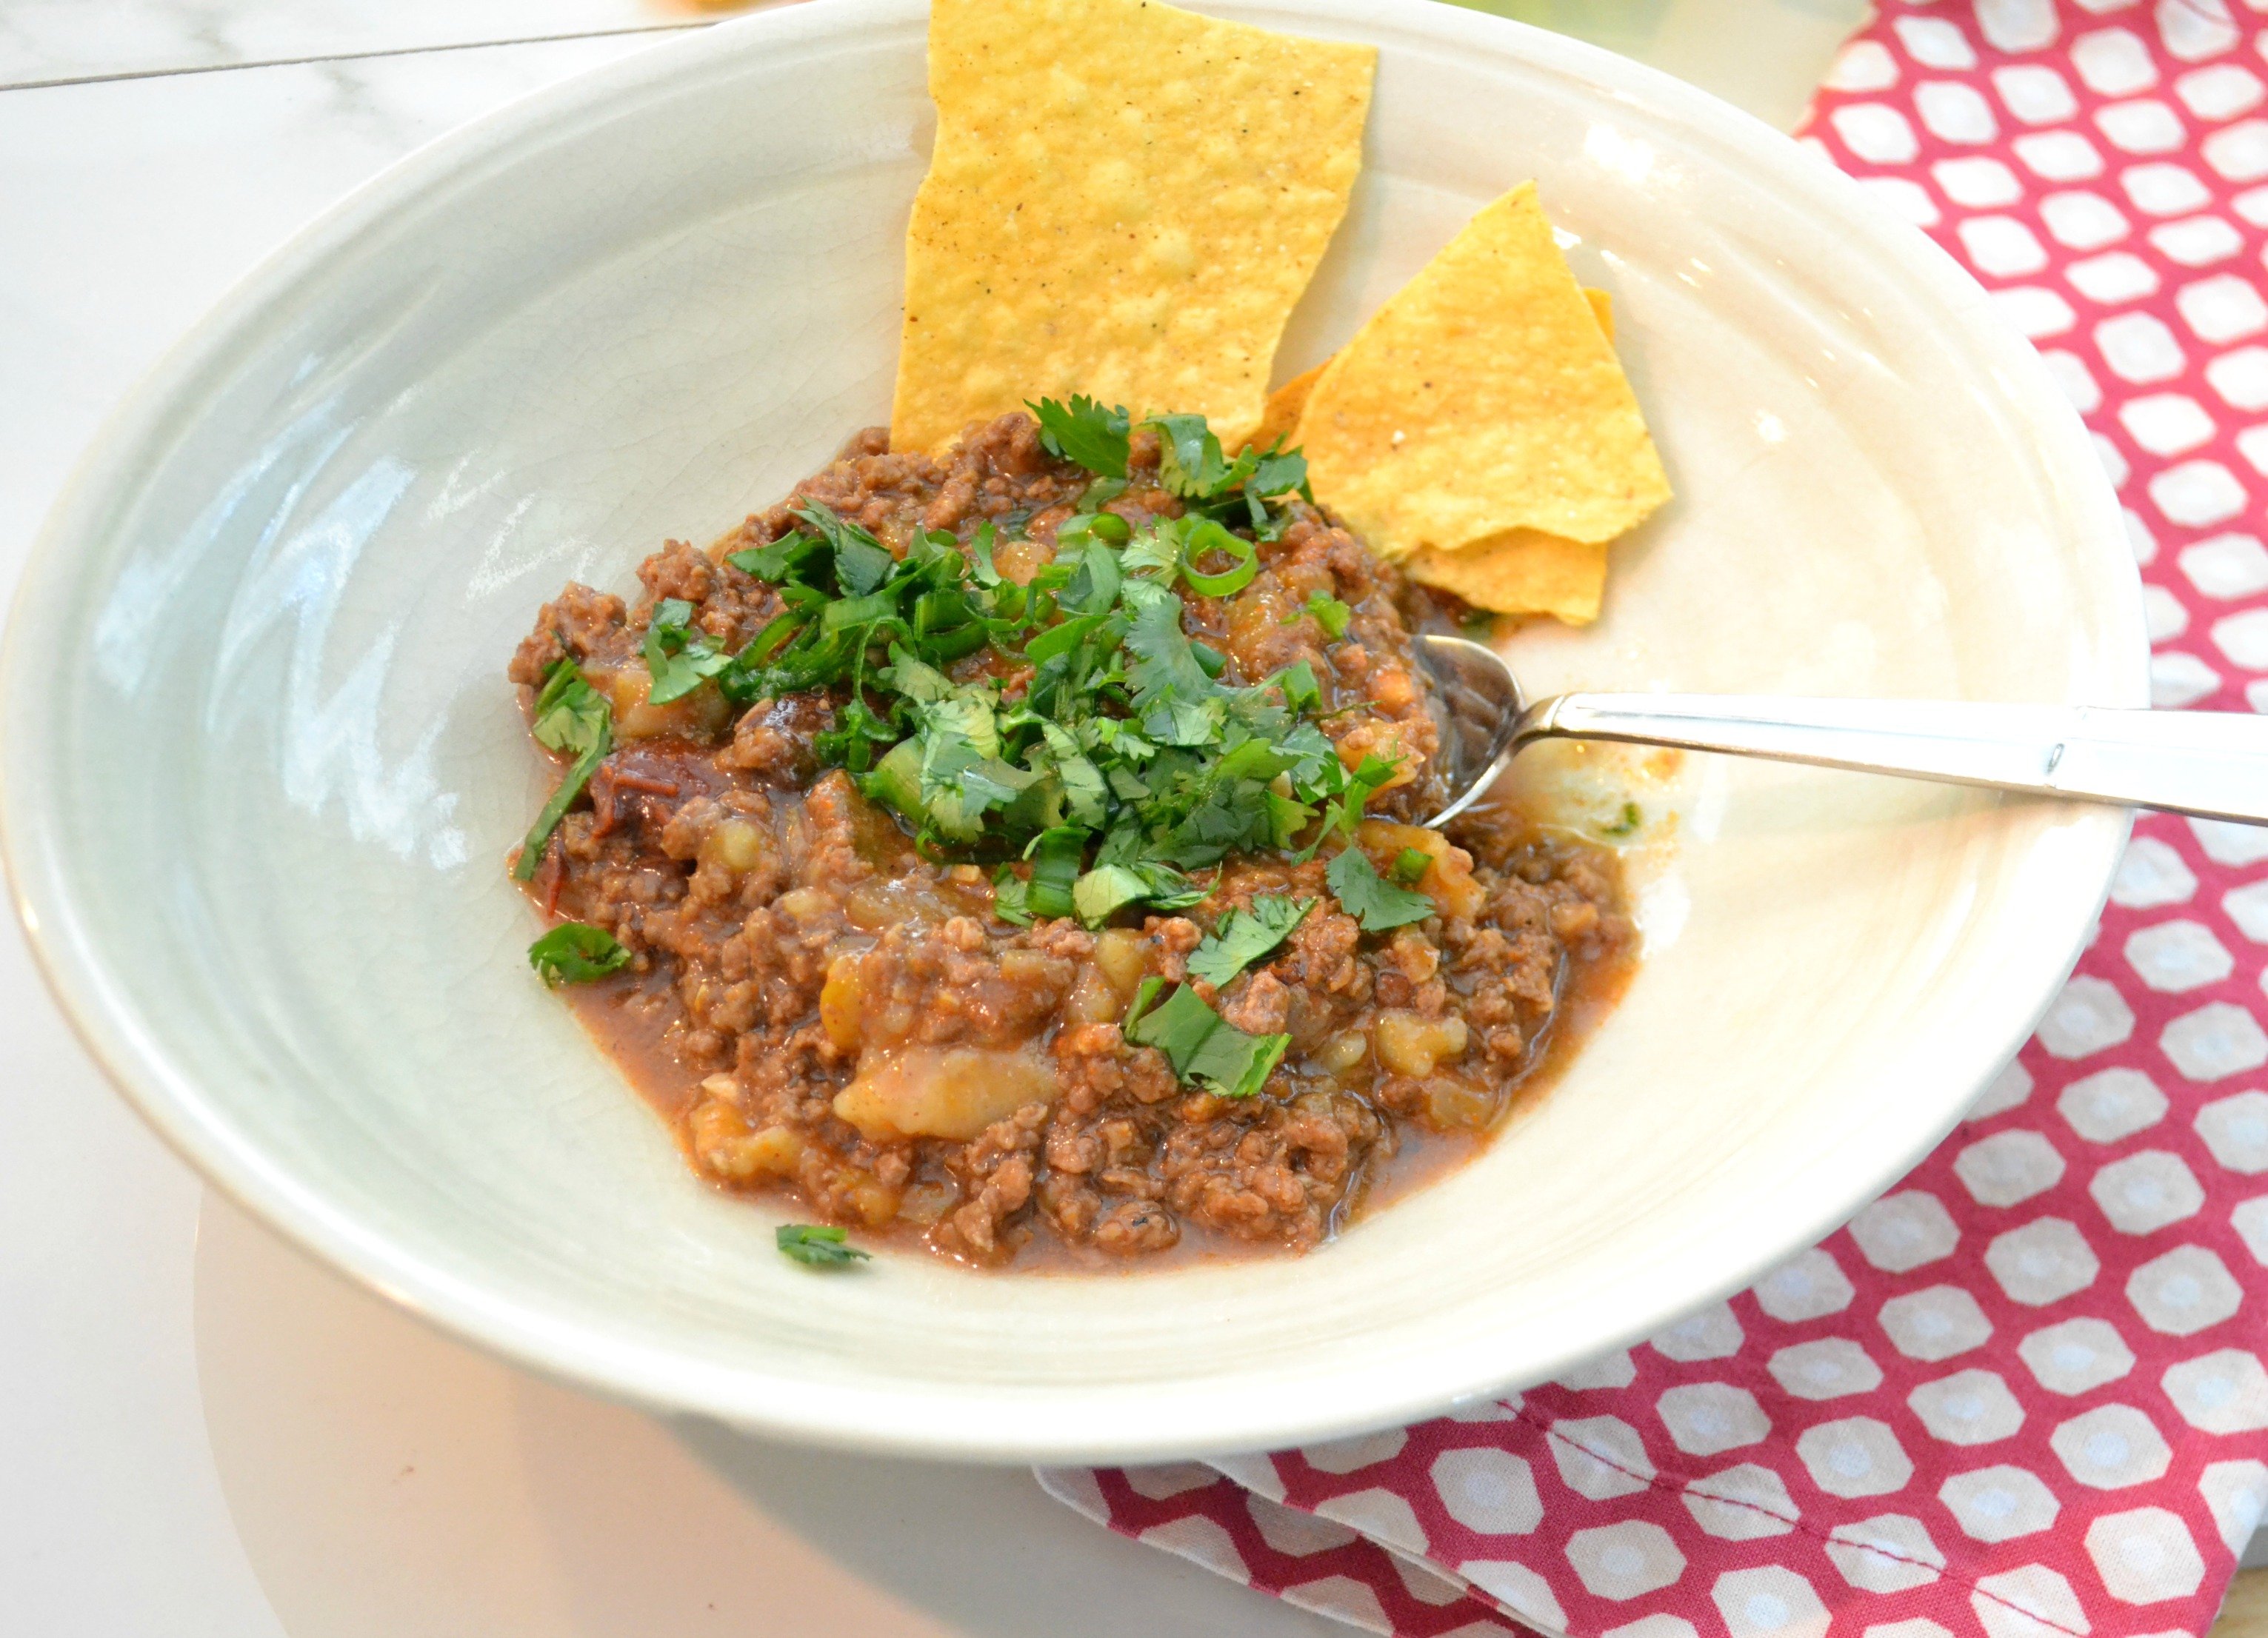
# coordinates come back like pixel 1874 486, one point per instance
pixel 700 714
pixel 737 845
pixel 1414 1046
pixel 1447 881
pixel 807 905
pixel 1093 999
pixel 1341 1052
pixel 943 1091
pixel 724 1145
pixel 876 1203
pixel 1454 1105
pixel 883 901
pixel 842 1001
pixel 1124 954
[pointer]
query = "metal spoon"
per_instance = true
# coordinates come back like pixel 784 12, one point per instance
pixel 2211 763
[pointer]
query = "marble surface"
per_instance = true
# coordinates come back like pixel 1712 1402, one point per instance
pixel 200 1434
pixel 46 42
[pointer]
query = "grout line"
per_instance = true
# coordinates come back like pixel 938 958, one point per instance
pixel 350 56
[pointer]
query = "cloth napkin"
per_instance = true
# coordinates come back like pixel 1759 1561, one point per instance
pixel 2023 1394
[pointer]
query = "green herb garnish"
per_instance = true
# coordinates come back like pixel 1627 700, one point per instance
pixel 1083 431
pixel 1328 612
pixel 1378 904
pixel 1205 1047
pixel 1627 824
pixel 1134 755
pixel 575 952
pixel 1410 865
pixel 817 1247
pixel 679 656
pixel 573 716
pixel 1242 937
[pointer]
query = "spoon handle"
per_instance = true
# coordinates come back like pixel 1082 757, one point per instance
pixel 2211 763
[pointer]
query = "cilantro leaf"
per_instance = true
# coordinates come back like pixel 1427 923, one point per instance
pixel 575 952
pixel 1156 550
pixel 1190 461
pixel 679 656
pixel 1378 904
pixel 1237 1065
pixel 783 559
pixel 861 562
pixel 570 715
pixel 1278 472
pixel 1011 897
pixel 1106 889
pixel 1056 857
pixel 1146 997
pixel 1202 1046
pixel 1083 431
pixel 1327 612
pixel 1242 937
pixel 817 1247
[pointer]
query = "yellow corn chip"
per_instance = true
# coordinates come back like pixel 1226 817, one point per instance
pixel 1603 309
pixel 1282 418
pixel 1483 397
pixel 1286 402
pixel 1126 200
pixel 1522 571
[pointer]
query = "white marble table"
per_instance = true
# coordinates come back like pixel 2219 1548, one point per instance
pixel 201 1434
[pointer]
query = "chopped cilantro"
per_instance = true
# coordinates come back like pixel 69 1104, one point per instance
pixel 817 1247
pixel 679 656
pixel 1328 612
pixel 1125 753
pixel 1410 865
pixel 1203 1046
pixel 1378 904
pixel 1627 824
pixel 1055 856
pixel 1084 432
pixel 571 716
pixel 1011 897
pixel 1279 472
pixel 1242 937
pixel 1145 995
pixel 575 952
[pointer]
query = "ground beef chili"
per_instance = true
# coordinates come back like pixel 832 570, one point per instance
pixel 803 984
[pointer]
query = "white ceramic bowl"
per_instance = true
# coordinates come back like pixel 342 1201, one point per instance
pixel 261 767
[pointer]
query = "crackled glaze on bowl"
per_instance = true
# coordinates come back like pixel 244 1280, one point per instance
pixel 261 767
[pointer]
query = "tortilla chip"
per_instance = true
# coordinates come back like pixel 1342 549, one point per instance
pixel 1126 200
pixel 1603 309
pixel 1286 402
pixel 1522 571
pixel 1483 397
pixel 1282 418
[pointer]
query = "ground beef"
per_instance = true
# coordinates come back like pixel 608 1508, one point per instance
pixel 807 978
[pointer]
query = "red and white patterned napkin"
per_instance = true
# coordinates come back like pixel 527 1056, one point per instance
pixel 2022 1395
